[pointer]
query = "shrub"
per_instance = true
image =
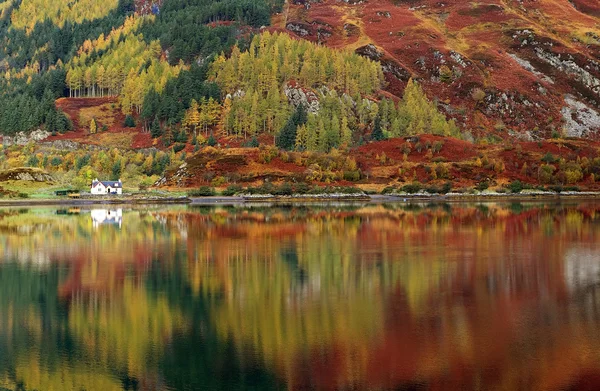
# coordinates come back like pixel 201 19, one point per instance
pixel 545 173
pixel 178 147
pixel 218 181
pixel 302 188
pixel 267 154
pixel 352 176
pixel 481 186
pixel 252 143
pixel 203 191
pixel 515 186
pixel 446 187
pixel 412 188
pixel 556 188
pixel 388 190
pixel 129 121
pixel 232 190
pixel 284 189
pixel 549 158
pixel 478 94
pixel 348 190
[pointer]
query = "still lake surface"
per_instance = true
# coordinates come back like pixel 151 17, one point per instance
pixel 462 296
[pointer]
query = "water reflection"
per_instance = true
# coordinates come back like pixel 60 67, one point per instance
pixel 106 216
pixel 490 296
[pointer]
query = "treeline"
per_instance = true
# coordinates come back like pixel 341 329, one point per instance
pixel 24 106
pixel 30 12
pixel 32 59
pixel 182 30
pixel 47 43
pixel 122 64
pixel 255 80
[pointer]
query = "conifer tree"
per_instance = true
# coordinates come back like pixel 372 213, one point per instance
pixel 377 134
pixel 155 129
pixel 93 126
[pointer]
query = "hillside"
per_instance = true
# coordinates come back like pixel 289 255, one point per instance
pixel 511 68
pixel 377 94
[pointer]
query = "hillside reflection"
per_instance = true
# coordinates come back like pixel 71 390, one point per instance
pixel 494 296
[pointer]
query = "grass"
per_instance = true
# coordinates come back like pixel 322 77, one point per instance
pixel 34 190
pixel 104 115
pixel 114 140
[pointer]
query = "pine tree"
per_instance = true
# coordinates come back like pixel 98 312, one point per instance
pixel 155 129
pixel 346 133
pixel 129 121
pixel 287 136
pixel 377 134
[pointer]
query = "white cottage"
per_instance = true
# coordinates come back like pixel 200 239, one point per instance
pixel 106 187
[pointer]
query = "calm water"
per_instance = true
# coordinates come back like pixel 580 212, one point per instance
pixel 493 296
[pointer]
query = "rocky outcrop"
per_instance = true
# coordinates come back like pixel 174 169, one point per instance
pixel 301 29
pixel 301 96
pixel 23 138
pixel 387 65
pixel 64 145
pixel 370 51
pixel 566 64
pixel 580 120
pixel 25 174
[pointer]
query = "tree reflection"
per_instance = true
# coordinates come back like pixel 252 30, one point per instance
pixel 439 296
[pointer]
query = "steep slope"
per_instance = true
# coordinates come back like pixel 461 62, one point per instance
pixel 511 68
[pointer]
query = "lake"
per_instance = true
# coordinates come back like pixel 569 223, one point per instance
pixel 324 297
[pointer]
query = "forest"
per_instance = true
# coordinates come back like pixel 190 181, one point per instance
pixel 189 72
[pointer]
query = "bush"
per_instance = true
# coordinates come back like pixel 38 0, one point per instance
pixel 515 187
pixel 129 122
pixel 232 190
pixel 412 188
pixel 352 176
pixel 203 191
pixel 252 143
pixel 556 188
pixel 265 188
pixel 218 181
pixel 348 190
pixel 284 189
pixel 302 188
pixel 267 154
pixel 446 187
pixel 388 190
pixel 178 147
pixel 481 186
pixel 549 158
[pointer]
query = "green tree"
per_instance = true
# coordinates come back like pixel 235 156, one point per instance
pixel 155 129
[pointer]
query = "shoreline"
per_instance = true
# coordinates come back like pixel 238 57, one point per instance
pixel 307 199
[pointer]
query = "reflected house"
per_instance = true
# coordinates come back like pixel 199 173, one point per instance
pixel 106 187
pixel 107 216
